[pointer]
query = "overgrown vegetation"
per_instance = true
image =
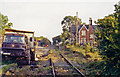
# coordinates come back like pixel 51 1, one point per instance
pixel 108 37
pixel 90 61
pixel 106 60
pixel 67 23
pixel 4 24
pixel 42 41
pixel 87 50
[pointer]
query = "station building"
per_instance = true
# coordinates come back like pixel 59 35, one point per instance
pixel 85 33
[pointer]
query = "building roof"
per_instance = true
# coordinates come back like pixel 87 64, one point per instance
pixel 80 26
pixel 20 31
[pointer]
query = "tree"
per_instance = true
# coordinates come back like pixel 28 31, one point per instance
pixel 108 35
pixel 43 40
pixel 67 23
pixel 64 36
pixel 4 24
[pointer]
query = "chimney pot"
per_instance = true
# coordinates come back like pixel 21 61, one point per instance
pixel 90 21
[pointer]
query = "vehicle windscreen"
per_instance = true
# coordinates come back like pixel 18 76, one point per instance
pixel 14 38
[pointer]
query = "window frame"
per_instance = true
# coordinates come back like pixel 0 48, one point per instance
pixel 91 36
pixel 83 32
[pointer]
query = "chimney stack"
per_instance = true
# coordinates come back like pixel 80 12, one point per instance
pixel 90 21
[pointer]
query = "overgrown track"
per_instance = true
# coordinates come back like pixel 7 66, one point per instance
pixel 53 68
pixel 69 63
pixel 73 66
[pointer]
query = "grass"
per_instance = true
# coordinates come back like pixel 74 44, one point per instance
pixel 88 57
pixel 6 68
pixel 86 52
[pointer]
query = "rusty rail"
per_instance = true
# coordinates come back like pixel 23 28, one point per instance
pixel 73 66
pixel 53 68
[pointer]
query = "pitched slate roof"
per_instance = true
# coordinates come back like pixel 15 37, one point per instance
pixel 80 26
pixel 87 26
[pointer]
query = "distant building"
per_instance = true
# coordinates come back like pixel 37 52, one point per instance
pixel 56 40
pixel 85 33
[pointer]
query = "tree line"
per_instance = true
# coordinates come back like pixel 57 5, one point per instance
pixel 108 38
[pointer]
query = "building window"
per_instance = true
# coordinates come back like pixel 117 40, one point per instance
pixel 91 36
pixel 83 32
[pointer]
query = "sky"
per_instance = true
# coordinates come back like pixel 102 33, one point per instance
pixel 45 16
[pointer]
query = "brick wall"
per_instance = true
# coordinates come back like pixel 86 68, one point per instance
pixel 88 34
pixel 80 34
pixel 91 32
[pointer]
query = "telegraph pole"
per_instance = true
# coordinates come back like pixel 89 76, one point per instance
pixel 76 23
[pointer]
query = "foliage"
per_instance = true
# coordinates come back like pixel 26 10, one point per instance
pixel 8 66
pixel 67 23
pixel 88 47
pixel 64 36
pixel 91 62
pixel 108 36
pixel 43 40
pixel 94 68
pixel 87 51
pixel 5 68
pixel 4 23
pixel 84 23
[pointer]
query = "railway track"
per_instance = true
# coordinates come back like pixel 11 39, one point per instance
pixel 68 62
pixel 52 68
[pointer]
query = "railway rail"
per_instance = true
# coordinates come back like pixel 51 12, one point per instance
pixel 51 64
pixel 73 66
pixel 53 67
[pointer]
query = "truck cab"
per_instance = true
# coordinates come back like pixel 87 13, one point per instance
pixel 18 44
pixel 15 45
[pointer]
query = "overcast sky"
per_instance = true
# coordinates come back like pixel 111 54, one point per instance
pixel 45 16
